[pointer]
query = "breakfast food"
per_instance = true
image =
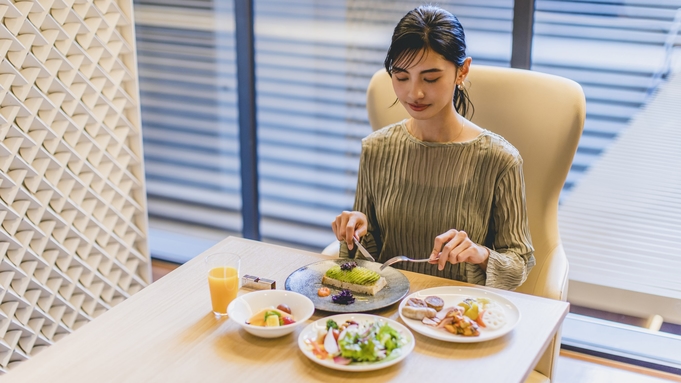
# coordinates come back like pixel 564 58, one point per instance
pixel 343 298
pixel 434 302
pixel 417 308
pixel 418 313
pixel 354 278
pixel 484 312
pixel 416 302
pixel 456 322
pixel 356 342
pixel 466 318
pixel 493 317
pixel 271 317
pixel 324 292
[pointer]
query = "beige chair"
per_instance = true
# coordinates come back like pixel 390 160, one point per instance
pixel 542 116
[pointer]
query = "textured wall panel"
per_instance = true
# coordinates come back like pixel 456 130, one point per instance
pixel 72 201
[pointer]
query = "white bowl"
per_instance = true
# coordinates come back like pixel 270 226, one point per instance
pixel 244 307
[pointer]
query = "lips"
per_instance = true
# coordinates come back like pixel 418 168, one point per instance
pixel 418 107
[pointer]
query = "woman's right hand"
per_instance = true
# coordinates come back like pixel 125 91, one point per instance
pixel 349 223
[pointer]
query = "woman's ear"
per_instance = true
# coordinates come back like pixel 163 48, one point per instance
pixel 463 70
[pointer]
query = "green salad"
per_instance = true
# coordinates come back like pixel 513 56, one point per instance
pixel 352 342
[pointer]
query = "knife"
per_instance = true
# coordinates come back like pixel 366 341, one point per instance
pixel 364 251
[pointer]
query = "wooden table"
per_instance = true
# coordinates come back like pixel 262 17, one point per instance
pixel 167 333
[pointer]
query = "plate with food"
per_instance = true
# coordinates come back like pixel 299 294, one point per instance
pixel 348 285
pixel 459 314
pixel 356 342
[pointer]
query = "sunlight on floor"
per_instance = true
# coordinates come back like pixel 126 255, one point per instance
pixel 572 370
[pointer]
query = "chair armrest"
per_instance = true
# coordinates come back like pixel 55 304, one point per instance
pixel 552 281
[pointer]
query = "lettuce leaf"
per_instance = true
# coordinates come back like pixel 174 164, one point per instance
pixel 370 343
pixel 389 338
pixel 359 350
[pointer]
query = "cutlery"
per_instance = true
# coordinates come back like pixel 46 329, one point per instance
pixel 364 251
pixel 401 258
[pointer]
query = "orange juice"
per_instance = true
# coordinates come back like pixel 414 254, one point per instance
pixel 223 282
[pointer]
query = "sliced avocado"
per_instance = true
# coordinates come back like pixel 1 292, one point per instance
pixel 358 275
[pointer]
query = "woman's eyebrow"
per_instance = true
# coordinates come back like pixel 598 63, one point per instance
pixel 432 70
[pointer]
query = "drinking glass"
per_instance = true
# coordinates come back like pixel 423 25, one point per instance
pixel 223 280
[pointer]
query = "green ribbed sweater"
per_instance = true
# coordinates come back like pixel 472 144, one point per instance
pixel 412 190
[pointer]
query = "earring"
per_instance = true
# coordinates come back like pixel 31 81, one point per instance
pixel 460 87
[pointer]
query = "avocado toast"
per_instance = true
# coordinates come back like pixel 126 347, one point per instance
pixel 354 278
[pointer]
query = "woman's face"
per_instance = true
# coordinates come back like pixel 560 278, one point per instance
pixel 426 87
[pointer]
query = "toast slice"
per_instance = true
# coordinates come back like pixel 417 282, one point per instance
pixel 354 278
pixel 371 289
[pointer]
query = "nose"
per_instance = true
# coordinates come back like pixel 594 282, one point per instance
pixel 415 92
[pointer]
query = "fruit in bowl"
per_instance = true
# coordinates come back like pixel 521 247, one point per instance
pixel 264 313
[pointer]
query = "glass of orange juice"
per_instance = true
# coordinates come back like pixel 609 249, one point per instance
pixel 223 280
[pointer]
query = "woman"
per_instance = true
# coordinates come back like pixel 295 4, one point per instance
pixel 436 185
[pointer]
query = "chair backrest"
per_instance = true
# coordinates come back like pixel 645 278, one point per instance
pixel 542 115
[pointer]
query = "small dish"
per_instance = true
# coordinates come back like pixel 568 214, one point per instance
pixel 245 306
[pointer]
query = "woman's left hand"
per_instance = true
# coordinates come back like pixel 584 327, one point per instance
pixel 454 247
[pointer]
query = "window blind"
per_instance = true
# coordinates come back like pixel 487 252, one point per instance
pixel 616 50
pixel 314 61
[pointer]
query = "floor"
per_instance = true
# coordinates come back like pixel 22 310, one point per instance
pixel 572 367
pixel 580 368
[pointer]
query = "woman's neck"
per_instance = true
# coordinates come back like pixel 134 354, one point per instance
pixel 448 128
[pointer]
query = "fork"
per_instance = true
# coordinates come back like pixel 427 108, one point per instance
pixel 401 258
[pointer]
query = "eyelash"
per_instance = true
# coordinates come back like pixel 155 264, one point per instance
pixel 426 80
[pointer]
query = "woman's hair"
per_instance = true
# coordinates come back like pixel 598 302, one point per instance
pixel 430 27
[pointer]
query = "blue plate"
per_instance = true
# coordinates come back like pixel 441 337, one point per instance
pixel 308 279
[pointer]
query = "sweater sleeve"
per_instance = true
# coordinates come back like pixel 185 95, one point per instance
pixel 511 254
pixel 364 203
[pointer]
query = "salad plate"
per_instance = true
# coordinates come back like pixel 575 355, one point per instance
pixel 308 279
pixel 313 330
pixel 452 296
